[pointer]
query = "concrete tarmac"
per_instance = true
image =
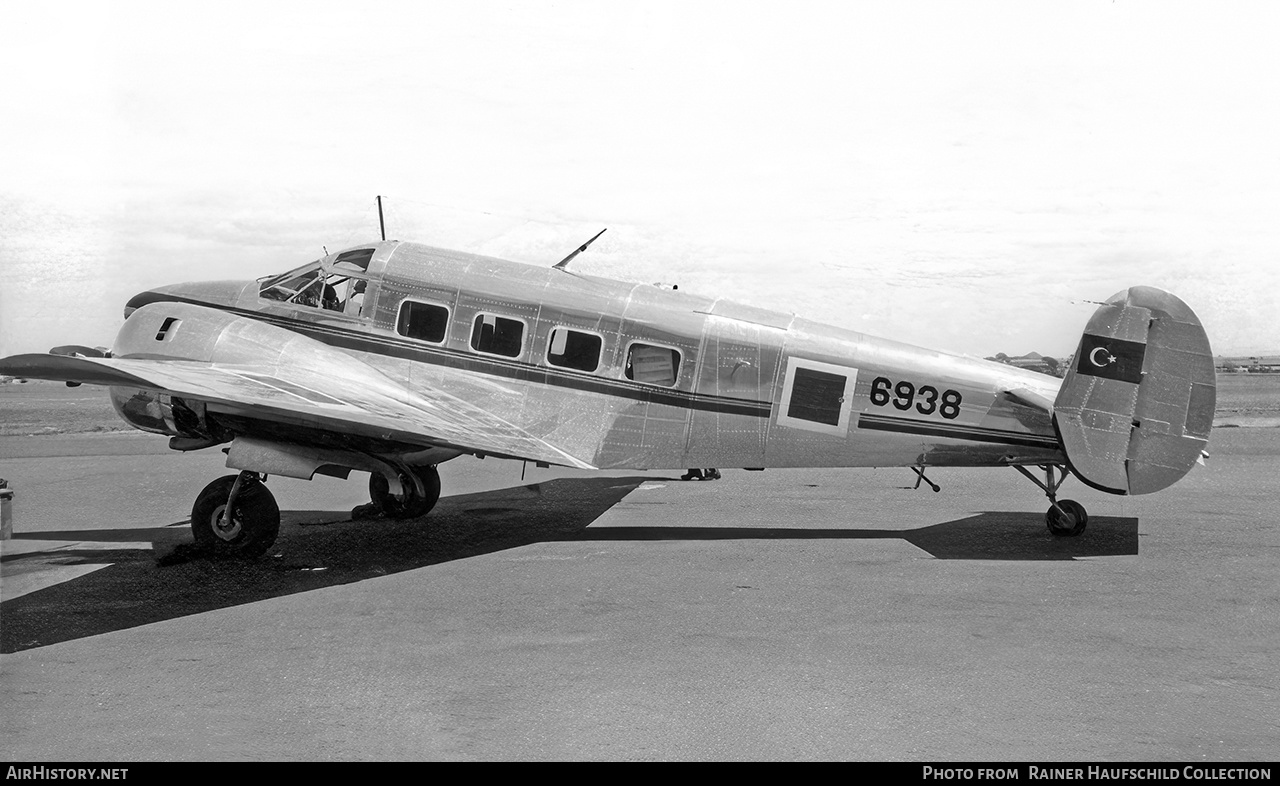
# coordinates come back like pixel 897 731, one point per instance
pixel 783 615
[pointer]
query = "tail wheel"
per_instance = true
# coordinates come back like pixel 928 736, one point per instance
pixel 420 490
pixel 1067 518
pixel 248 531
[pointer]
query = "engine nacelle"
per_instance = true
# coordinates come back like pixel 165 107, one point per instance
pixel 160 413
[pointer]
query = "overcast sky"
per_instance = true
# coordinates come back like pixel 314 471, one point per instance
pixel 960 175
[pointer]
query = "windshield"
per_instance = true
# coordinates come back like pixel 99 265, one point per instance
pixel 311 286
pixel 287 286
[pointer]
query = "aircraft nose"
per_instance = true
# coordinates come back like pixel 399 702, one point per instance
pixel 212 294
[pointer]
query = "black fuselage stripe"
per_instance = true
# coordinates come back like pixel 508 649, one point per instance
pixel 440 356
pixel 955 431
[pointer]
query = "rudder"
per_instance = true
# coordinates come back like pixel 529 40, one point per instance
pixel 1135 410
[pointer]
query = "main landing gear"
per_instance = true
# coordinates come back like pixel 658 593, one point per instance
pixel 236 516
pixel 418 494
pixel 1067 518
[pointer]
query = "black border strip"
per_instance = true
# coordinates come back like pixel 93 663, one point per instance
pixel 955 431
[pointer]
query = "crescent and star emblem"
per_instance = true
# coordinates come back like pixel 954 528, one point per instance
pixel 1093 357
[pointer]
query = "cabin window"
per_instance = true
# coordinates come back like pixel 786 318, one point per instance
pixel 423 321
pixel 655 365
pixel 574 349
pixel 495 335
pixel 817 396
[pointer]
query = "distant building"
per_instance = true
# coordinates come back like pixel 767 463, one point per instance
pixel 1248 364
pixel 1033 361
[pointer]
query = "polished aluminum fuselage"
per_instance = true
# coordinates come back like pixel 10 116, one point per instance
pixel 737 399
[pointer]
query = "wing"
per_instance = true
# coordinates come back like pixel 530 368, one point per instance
pixel 346 397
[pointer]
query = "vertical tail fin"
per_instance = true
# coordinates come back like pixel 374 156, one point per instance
pixel 1136 407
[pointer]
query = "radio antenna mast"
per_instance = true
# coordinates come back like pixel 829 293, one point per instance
pixel 564 263
pixel 381 226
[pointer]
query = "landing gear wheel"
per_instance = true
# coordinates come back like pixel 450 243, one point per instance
pixel 250 529
pixel 420 492
pixel 1067 519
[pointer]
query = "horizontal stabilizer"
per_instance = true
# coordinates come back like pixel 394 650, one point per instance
pixel 1030 398
pixel 1136 407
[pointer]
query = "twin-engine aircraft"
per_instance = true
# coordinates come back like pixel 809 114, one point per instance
pixel 393 357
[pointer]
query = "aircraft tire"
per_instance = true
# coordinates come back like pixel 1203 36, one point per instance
pixel 254 525
pixel 1069 525
pixel 424 494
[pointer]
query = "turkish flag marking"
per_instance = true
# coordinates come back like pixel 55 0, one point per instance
pixel 1111 358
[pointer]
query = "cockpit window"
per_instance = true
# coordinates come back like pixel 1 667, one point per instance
pixel 289 286
pixel 353 261
pixel 290 282
pixel 311 286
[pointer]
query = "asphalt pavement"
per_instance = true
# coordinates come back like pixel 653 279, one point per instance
pixel 783 615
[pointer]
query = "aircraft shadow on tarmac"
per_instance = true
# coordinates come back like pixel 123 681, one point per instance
pixel 318 549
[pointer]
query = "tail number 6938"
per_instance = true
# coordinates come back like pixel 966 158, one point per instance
pixel 903 396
